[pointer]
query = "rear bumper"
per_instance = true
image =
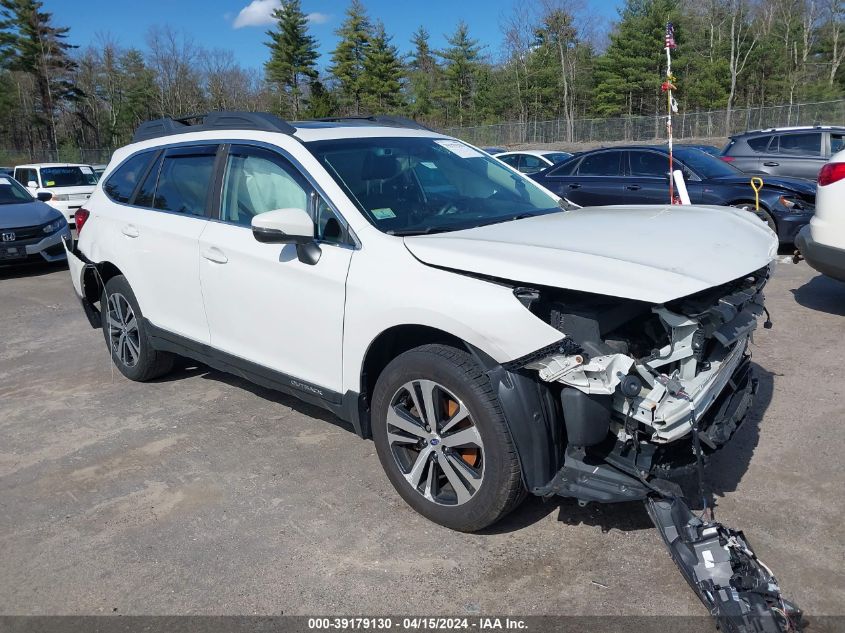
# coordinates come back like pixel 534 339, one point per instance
pixel 828 260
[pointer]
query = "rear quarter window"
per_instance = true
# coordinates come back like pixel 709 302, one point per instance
pixel 121 184
pixel 759 144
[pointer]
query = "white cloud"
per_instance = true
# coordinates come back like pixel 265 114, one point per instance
pixel 260 13
pixel 319 18
pixel 256 13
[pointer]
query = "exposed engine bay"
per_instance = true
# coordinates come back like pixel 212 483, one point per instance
pixel 657 370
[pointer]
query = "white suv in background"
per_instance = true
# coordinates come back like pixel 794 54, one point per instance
pixel 822 241
pixel 491 341
pixel 71 184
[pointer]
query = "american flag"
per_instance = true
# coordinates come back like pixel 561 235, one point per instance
pixel 670 36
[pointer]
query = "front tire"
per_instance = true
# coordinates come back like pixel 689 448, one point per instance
pixel 762 214
pixel 443 441
pixel 126 337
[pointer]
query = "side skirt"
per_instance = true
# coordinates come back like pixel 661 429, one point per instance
pixel 345 406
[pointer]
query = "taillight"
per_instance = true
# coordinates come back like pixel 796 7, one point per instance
pixel 831 173
pixel 80 218
pixel 727 159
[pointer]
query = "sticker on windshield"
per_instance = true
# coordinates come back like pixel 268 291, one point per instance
pixel 458 148
pixel 50 183
pixel 86 170
pixel 383 214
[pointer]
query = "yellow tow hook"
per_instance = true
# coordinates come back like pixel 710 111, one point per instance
pixel 756 185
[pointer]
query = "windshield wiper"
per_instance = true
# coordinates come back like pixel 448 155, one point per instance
pixel 428 230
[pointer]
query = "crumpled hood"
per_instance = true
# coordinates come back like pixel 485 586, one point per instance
pixel 649 253
pixel 33 213
pixel 802 186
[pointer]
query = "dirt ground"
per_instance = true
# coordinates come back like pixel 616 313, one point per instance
pixel 202 494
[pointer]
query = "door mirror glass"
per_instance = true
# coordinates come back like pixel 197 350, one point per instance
pixel 283 226
pixel 44 196
pixel 32 184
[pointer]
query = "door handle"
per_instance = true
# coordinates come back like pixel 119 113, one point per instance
pixel 130 231
pixel 771 164
pixel 214 254
pixel 574 185
pixel 633 187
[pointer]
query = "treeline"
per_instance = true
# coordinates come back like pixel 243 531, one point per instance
pixel 550 62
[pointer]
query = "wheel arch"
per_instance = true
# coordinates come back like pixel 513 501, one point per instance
pixel 94 278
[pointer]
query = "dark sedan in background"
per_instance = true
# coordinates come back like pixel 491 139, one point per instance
pixel 30 230
pixel 639 175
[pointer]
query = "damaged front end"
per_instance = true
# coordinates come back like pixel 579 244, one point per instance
pixel 633 381
pixel 644 391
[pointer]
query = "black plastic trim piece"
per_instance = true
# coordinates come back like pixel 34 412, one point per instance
pixel 262 121
pixel 345 406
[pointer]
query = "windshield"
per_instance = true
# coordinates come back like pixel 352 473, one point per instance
pixel 705 165
pixel 557 157
pixel 13 193
pixel 407 186
pixel 68 176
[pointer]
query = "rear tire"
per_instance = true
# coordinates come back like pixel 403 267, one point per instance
pixel 443 441
pixel 126 337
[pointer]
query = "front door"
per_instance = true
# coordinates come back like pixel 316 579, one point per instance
pixel 263 304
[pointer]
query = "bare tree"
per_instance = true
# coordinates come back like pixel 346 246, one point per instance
pixel 743 39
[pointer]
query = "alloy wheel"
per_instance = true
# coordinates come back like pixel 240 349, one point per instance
pixel 123 330
pixel 435 442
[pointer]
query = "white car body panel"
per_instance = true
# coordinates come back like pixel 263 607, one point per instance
pixel 647 253
pixel 828 223
pixel 265 305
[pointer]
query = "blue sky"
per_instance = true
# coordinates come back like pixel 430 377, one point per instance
pixel 236 24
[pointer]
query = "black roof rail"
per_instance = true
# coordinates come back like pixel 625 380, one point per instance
pixel 382 119
pixel 224 120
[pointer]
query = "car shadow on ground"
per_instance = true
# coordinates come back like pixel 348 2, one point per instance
pixel 823 294
pixel 187 368
pixel 723 473
pixel 18 271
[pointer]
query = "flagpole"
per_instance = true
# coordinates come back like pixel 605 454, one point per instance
pixel 669 113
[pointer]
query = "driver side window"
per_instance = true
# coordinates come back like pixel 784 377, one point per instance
pixel 257 181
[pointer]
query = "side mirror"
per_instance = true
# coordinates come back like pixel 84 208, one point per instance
pixel 44 196
pixel 288 226
pixel 32 185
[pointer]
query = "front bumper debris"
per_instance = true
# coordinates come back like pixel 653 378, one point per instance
pixel 739 591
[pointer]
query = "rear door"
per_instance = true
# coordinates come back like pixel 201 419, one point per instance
pixel 594 179
pixel 156 235
pixel 263 303
pixel 795 154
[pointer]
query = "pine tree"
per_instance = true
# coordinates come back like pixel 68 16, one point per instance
pixel 423 75
pixel 321 102
pixel 380 81
pixel 29 43
pixel 293 53
pixel 348 57
pixel 630 72
pixel 460 68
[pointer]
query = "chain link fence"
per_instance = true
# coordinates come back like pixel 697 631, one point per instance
pixel 686 125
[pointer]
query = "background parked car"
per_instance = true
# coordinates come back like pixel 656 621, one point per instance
pixel 71 184
pixel 533 161
pixel 707 149
pixel 494 150
pixel 639 175
pixel 797 151
pixel 822 242
pixel 99 170
pixel 7 171
pixel 29 228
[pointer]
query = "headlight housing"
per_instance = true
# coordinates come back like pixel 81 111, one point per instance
pixel 795 205
pixel 60 197
pixel 56 225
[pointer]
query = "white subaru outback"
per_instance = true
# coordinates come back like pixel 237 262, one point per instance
pixel 490 339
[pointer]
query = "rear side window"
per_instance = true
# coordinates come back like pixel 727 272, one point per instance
pixel 512 160
pixel 837 143
pixel 601 164
pixel 121 184
pixel 759 144
pixel 532 164
pixel 184 181
pixel 801 144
